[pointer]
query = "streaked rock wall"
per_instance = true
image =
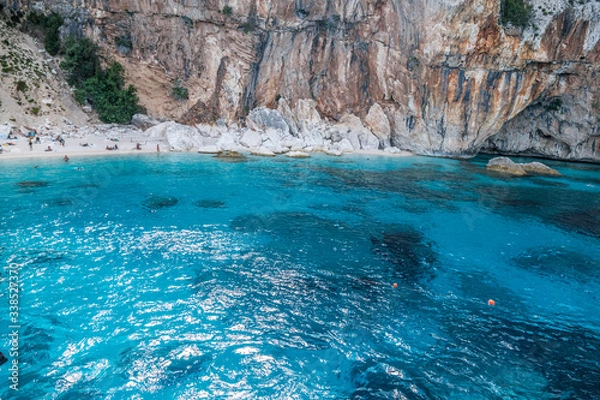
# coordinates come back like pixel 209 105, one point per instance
pixel 444 76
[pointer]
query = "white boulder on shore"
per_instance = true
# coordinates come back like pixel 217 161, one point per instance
pixel 263 152
pixel 280 131
pixel 297 154
pixel 180 137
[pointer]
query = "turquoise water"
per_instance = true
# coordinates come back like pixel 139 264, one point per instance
pixel 186 277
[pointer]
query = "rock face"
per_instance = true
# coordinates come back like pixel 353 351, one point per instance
pixel 437 77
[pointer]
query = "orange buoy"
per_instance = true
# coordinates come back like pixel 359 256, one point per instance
pixel 491 302
pixel 395 285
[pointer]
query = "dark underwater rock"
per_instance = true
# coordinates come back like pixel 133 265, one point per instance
pixel 565 356
pixel 409 251
pixel 32 184
pixel 40 257
pixel 559 262
pixel 62 202
pixel 210 204
pixel 582 220
pixel 158 202
pixel 248 223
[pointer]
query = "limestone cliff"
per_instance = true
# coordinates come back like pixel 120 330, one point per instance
pixel 431 76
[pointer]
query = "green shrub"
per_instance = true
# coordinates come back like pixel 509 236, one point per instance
pixel 81 60
pixel 21 86
pixel 52 41
pixel 103 89
pixel 247 27
pixel 187 21
pixel 106 93
pixel 227 11
pixel 124 41
pixel 554 105
pixel 515 12
pixel 180 93
pixel 50 25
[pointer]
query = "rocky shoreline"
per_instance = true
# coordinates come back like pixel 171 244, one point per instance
pixel 275 131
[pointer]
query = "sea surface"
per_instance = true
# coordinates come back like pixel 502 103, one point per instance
pixel 182 276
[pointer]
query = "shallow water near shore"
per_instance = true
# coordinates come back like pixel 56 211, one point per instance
pixel 180 276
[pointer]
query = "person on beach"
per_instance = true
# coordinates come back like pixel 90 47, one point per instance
pixel 158 148
pixel 138 146
pixel 30 145
pixel 37 139
pixel 66 158
pixel 49 148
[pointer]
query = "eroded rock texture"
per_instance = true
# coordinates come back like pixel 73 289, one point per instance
pixel 443 76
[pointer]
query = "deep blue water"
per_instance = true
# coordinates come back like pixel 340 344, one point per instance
pixel 186 277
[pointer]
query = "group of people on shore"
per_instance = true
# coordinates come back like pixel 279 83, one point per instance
pixel 33 138
pixel 60 140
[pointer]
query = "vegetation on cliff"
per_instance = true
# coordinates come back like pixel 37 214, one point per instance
pixel 515 13
pixel 50 25
pixel 104 89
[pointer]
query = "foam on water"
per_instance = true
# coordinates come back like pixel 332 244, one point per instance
pixel 181 276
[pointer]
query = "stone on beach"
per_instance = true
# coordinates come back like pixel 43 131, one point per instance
pixel 251 139
pixel 180 137
pixel 211 149
pixel 263 152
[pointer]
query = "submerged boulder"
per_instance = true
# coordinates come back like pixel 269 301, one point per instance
pixel 208 203
pixel 32 184
pixel 409 251
pixel 505 165
pixel 230 155
pixel 157 202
